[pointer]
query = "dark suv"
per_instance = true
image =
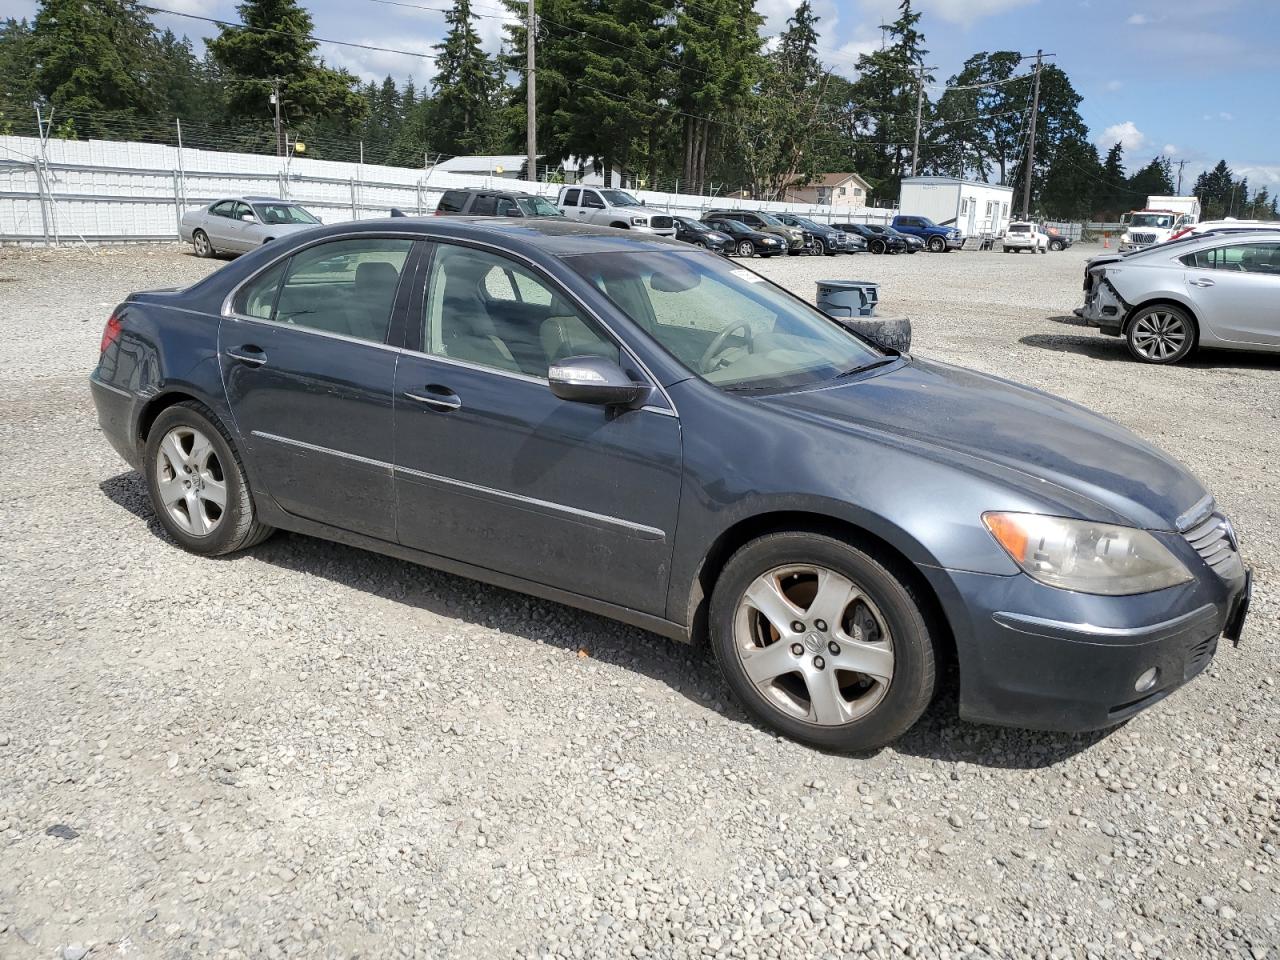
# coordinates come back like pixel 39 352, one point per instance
pixel 495 203
pixel 827 238
pixel 879 239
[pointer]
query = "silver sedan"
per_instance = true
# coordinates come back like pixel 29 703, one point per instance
pixel 240 224
pixel 1215 291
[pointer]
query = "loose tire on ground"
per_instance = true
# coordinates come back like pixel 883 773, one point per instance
pixel 858 682
pixel 893 333
pixel 168 465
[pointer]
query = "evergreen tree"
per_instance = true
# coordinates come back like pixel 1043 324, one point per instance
pixel 980 126
pixel 17 78
pixel 1072 185
pixel 1057 121
pixel 1215 188
pixel 1113 197
pixel 1153 180
pixel 275 43
pixel 93 61
pixel 465 103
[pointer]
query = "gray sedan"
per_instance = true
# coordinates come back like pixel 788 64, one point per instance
pixel 1215 291
pixel 240 224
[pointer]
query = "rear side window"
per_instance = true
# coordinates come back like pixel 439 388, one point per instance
pixel 571 198
pixel 505 208
pixel 452 201
pixel 483 205
pixel 345 287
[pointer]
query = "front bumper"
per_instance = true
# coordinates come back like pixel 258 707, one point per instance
pixel 954 243
pixel 1034 656
pixel 655 231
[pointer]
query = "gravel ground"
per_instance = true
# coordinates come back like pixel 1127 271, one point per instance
pixel 311 750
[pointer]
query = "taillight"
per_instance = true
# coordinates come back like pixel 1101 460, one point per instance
pixel 111 333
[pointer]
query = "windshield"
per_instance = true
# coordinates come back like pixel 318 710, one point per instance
pixel 620 198
pixel 770 219
pixel 1162 221
pixel 279 213
pixel 693 225
pixel 538 207
pixel 725 324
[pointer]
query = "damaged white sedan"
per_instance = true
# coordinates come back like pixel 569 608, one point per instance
pixel 1166 301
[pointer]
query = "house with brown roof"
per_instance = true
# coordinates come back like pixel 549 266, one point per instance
pixel 846 190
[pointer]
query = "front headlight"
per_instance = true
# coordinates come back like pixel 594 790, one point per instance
pixel 1087 557
pixel 639 221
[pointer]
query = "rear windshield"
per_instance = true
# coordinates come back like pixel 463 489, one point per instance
pixel 1019 228
pixel 452 201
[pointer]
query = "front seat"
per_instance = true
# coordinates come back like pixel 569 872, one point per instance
pixel 466 330
pixel 569 336
pixel 376 282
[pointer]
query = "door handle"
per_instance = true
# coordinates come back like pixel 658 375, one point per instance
pixel 248 354
pixel 436 397
pixel 1202 282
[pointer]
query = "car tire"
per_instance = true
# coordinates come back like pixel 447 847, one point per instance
pixel 826 700
pixel 1056 246
pixel 1161 334
pixel 820 248
pixel 746 249
pixel 200 241
pixel 702 244
pixel 937 245
pixel 1007 250
pixel 190 464
pixel 877 246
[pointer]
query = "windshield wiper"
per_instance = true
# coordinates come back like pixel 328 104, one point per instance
pixel 882 362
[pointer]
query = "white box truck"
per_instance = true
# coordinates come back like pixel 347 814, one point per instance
pixel 1161 219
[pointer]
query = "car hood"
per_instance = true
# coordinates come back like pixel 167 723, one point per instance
pixel 1051 448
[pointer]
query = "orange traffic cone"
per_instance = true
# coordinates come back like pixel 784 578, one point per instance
pixel 1106 243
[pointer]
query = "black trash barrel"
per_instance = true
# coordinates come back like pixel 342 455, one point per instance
pixel 848 298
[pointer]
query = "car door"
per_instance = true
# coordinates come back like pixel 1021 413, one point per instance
pixel 593 208
pixel 1236 290
pixel 218 225
pixel 309 375
pixel 495 471
pixel 571 205
pixel 244 234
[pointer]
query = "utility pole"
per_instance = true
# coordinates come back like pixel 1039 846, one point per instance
pixel 531 90
pixel 275 99
pixel 1181 164
pixel 1031 142
pixel 915 151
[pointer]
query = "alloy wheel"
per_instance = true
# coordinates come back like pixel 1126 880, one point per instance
pixel 201 243
pixel 814 644
pixel 190 481
pixel 746 249
pixel 1159 335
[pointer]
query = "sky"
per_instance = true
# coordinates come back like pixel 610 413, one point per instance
pixel 1192 80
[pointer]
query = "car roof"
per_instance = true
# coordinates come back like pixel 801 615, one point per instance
pixel 489 191
pixel 554 237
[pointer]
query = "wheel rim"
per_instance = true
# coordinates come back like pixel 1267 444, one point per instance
pixel 202 243
pixel 190 481
pixel 845 664
pixel 1159 335
pixel 936 244
pixel 745 249
pixel 818 247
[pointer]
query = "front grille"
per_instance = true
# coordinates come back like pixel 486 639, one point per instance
pixel 1214 541
pixel 661 223
pixel 1144 238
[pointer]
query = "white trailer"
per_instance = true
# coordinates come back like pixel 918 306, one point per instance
pixel 977 208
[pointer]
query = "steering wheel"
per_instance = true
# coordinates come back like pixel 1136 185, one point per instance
pixel 717 345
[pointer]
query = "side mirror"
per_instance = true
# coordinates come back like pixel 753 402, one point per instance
pixel 248 218
pixel 594 380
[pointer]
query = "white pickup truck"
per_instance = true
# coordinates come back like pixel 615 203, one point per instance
pixel 607 207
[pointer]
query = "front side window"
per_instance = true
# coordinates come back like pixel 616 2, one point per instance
pixel 725 324
pixel 345 287
pixel 274 214
pixel 483 206
pixel 241 211
pixel 590 199
pixel 487 310
pixel 538 207
pixel 619 198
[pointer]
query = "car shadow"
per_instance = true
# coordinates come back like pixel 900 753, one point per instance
pixel 1101 347
pixel 689 670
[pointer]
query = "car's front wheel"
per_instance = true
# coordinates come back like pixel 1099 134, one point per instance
pixel 200 240
pixel 1056 245
pixel 820 640
pixel 197 483
pixel 746 249
pixel 878 246
pixel 937 245
pixel 819 248
pixel 1161 334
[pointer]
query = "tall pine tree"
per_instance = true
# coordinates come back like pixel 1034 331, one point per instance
pixel 465 105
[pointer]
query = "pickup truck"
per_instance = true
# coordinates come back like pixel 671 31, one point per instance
pixel 935 237
pixel 607 207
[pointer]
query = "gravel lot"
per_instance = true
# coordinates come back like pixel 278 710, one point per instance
pixel 311 750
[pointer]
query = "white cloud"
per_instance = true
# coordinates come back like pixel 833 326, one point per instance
pixel 1137 20
pixel 1226 116
pixel 373 65
pixel 1259 174
pixel 1114 85
pixel 1126 134
pixel 1170 150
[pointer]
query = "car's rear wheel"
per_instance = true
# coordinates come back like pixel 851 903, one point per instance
pixel 878 246
pixel 746 249
pixel 200 240
pixel 197 483
pixel 1056 245
pixel 1161 334
pixel 820 640
pixel 937 244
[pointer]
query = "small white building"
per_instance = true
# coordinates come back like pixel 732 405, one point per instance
pixel 976 208
pixel 510 166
